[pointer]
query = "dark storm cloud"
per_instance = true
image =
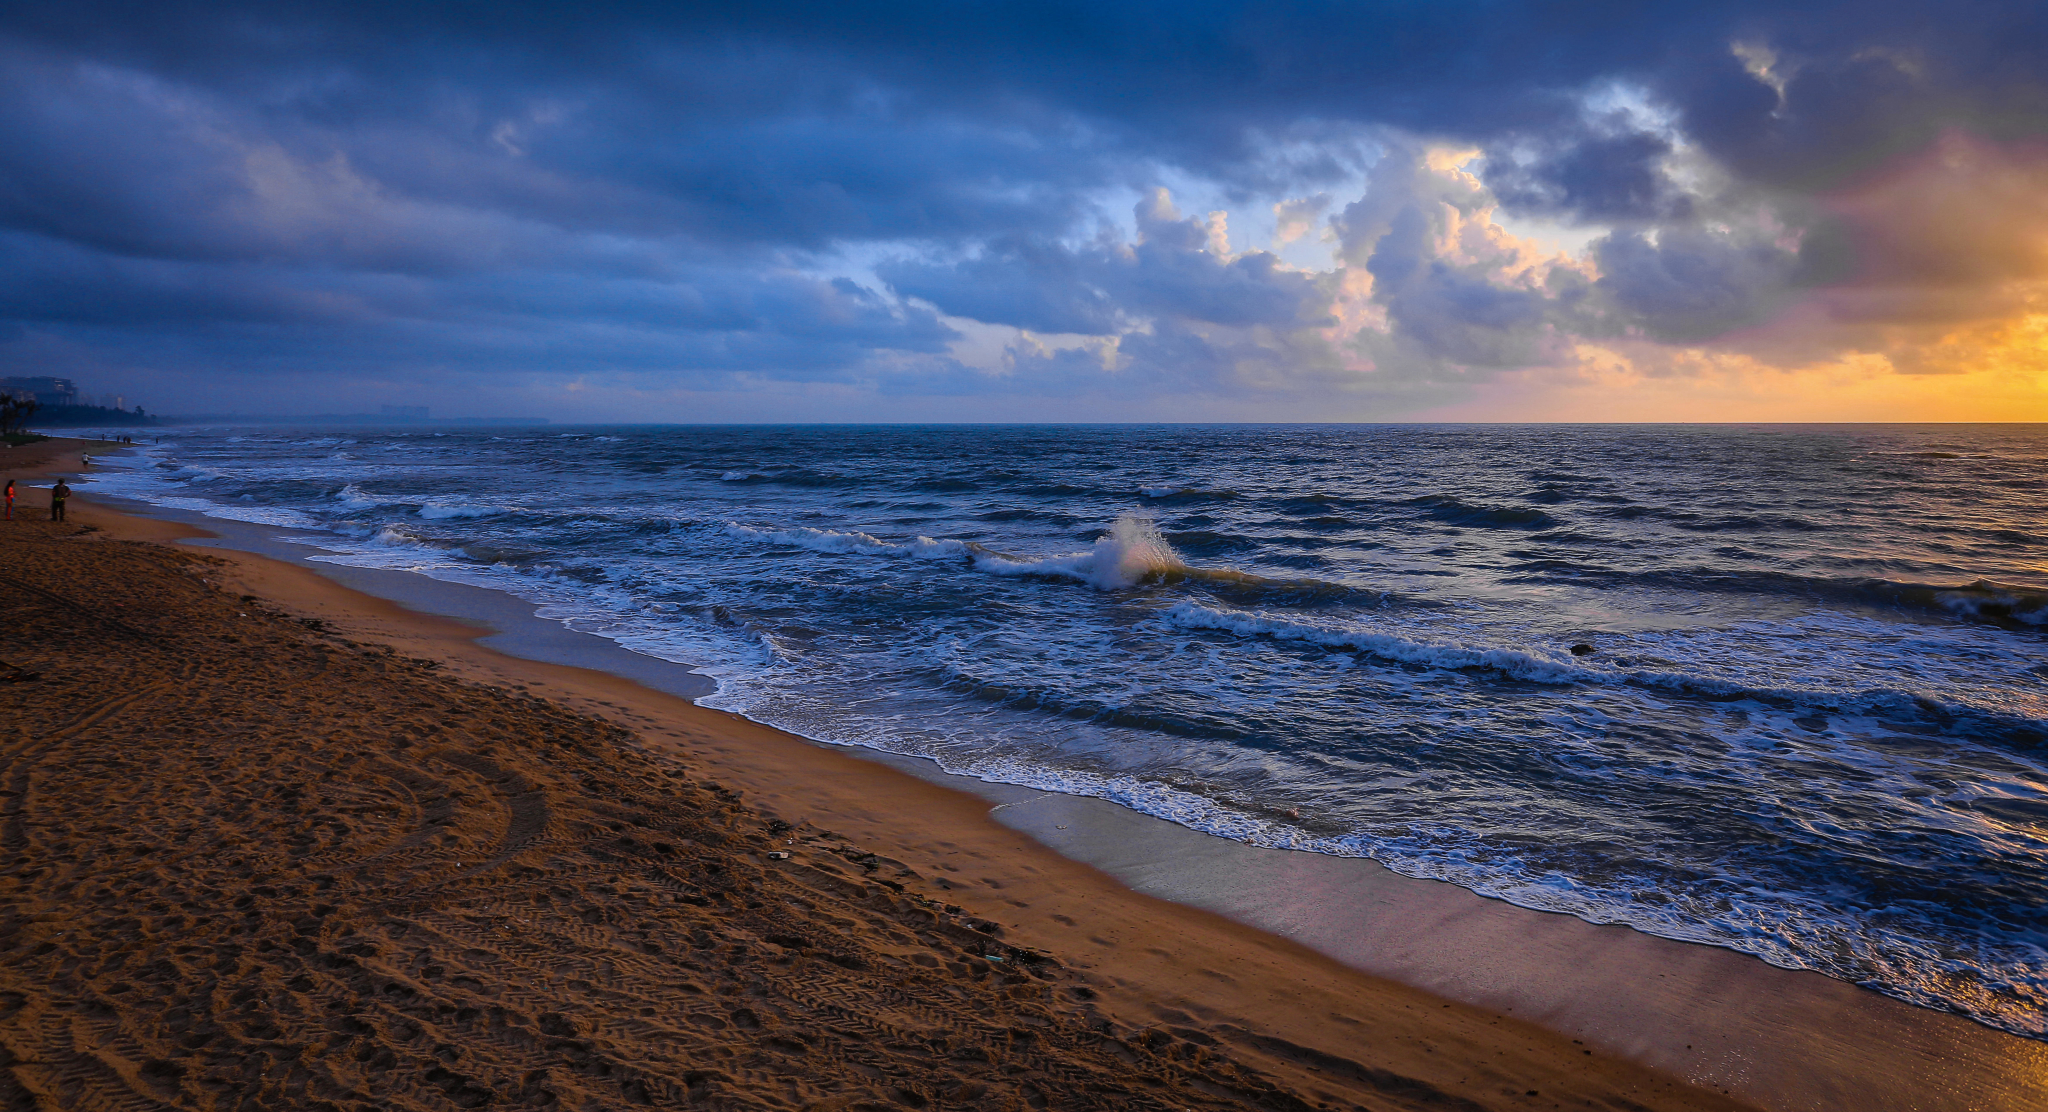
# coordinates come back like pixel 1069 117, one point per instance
pixel 1473 69
pixel 1693 284
pixel 1838 100
pixel 1593 179
pixel 673 187
pixel 1169 272
pixel 1034 284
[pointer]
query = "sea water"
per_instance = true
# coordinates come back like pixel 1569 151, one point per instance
pixel 1778 689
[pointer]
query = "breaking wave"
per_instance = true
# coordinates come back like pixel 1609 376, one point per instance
pixel 1133 553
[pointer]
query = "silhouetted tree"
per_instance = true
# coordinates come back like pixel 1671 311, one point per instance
pixel 15 412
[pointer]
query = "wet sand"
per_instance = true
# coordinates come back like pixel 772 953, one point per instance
pixel 1277 1021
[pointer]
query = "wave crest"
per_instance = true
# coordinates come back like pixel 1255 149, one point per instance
pixel 841 544
pixel 1518 664
pixel 434 512
pixel 1134 552
pixel 1554 668
pixel 1455 511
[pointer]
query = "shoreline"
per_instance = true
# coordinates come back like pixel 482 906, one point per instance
pixel 1804 1041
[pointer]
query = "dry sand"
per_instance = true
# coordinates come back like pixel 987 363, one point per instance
pixel 255 858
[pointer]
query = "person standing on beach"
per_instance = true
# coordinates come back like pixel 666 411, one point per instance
pixel 10 499
pixel 58 494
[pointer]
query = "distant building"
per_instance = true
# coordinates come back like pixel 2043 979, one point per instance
pixel 45 391
pixel 413 412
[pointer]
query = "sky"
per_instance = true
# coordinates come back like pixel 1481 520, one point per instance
pixel 1041 211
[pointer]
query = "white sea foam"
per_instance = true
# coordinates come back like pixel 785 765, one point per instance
pixel 438 512
pixel 927 548
pixel 826 540
pixel 151 484
pixel 356 498
pixel 393 536
pixel 1134 552
pixel 257 515
pixel 185 473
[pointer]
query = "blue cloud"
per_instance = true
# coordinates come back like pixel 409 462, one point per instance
pixel 1593 179
pixel 674 188
pixel 1693 284
pixel 1104 288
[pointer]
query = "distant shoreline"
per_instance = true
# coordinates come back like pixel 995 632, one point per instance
pixel 218 419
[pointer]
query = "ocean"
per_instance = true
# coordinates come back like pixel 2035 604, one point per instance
pixel 1781 689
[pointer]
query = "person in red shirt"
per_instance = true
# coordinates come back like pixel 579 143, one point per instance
pixel 10 499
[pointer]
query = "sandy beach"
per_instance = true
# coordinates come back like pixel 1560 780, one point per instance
pixel 259 859
pixel 1473 557
pixel 275 843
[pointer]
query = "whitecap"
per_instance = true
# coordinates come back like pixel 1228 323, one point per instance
pixel 828 541
pixel 434 512
pixel 356 498
pixel 1134 552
